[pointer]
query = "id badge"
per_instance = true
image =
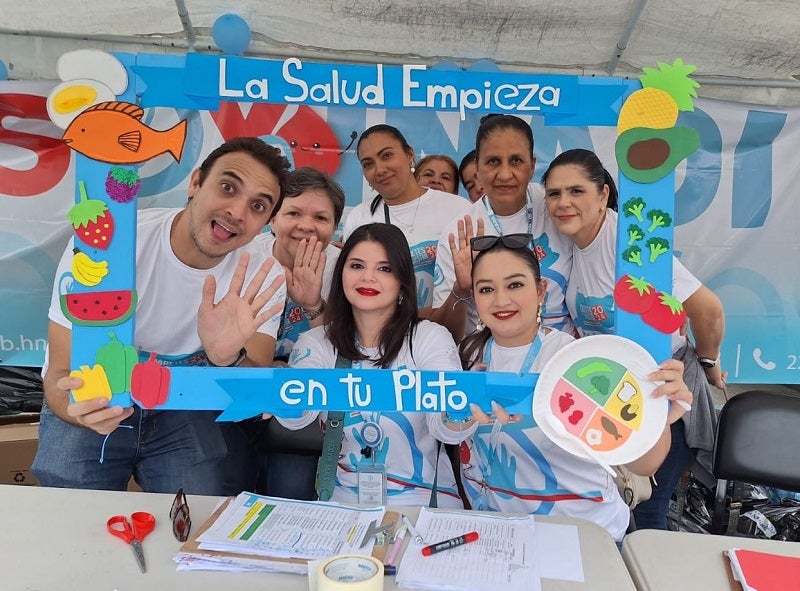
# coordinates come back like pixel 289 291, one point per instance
pixel 371 484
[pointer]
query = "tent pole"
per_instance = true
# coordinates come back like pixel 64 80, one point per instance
pixel 622 44
pixel 186 21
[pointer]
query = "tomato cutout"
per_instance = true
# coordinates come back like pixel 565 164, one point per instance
pixel 634 295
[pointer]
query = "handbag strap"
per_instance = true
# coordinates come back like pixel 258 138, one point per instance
pixel 331 445
pixel 433 503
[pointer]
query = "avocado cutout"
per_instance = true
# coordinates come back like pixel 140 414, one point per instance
pixel 647 155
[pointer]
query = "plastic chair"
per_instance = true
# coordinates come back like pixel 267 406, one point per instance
pixel 758 441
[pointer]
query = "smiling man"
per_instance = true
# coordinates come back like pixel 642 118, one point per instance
pixel 207 296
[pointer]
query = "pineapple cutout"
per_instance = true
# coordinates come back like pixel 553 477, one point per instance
pixel 649 145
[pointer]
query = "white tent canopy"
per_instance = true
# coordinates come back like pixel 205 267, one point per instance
pixel 744 50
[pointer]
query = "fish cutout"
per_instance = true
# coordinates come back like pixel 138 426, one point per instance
pixel 92 133
pixel 610 427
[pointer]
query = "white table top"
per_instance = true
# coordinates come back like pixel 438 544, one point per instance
pixel 56 540
pixel 666 560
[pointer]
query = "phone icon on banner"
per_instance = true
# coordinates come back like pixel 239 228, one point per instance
pixel 768 365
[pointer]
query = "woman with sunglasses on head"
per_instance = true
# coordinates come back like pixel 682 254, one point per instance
pixel 371 321
pixel 508 463
pixel 581 198
pixel 387 162
pixel 505 165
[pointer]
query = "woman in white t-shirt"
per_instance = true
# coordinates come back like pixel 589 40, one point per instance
pixel 581 198
pixel 371 319
pixel 264 456
pixel 387 162
pixel 508 463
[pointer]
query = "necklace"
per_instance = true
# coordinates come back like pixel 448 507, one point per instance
pixel 407 227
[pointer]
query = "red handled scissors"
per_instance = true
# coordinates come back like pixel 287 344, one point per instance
pixel 133 532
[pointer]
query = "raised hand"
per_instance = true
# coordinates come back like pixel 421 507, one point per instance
pixel 304 280
pixel 224 327
pixel 462 254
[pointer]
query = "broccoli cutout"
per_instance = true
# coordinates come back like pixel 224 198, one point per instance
pixel 633 255
pixel 634 233
pixel 659 219
pixel 634 207
pixel 600 384
pixel 657 246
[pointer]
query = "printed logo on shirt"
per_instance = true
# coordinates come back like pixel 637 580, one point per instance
pixel 595 315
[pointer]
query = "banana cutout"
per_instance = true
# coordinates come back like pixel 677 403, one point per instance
pixel 86 271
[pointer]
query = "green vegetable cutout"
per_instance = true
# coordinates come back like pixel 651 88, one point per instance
pixel 634 207
pixel 635 233
pixel 657 246
pixel 118 360
pixel 659 219
pixel 633 254
pixel 91 220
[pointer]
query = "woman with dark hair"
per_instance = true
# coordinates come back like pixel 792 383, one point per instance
pixel 437 171
pixel 581 198
pixel 387 162
pixel 468 174
pixel 508 463
pixel 371 320
pixel 263 456
pixel 510 204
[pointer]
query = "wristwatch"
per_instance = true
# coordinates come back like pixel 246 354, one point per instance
pixel 316 313
pixel 707 362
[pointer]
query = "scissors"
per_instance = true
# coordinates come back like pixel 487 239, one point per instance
pixel 133 532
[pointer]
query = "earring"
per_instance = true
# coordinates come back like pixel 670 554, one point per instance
pixel 480 325
pixel 400 299
pixel 539 316
pixel 413 170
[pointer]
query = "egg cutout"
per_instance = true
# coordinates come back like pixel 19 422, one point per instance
pixel 67 100
pixel 93 64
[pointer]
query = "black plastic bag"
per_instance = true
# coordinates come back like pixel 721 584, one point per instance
pixel 21 389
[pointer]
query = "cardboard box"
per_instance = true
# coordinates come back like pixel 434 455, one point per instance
pixel 18 444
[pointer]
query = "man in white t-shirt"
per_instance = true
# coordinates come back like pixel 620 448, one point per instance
pixel 199 285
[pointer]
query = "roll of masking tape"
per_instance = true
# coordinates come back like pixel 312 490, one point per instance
pixel 350 573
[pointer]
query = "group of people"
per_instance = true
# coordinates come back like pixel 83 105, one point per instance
pixel 499 288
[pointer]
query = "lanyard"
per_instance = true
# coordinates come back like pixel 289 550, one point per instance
pixel 481 502
pixel 530 356
pixel 496 223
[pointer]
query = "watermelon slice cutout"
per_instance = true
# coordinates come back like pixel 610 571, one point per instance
pixel 99 308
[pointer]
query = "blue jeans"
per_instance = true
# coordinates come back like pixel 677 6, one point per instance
pixel 652 513
pixel 163 450
pixel 252 466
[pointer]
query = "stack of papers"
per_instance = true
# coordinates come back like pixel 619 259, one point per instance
pixel 503 557
pixel 759 571
pixel 254 532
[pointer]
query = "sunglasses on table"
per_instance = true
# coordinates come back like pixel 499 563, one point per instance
pixel 179 514
pixel 513 241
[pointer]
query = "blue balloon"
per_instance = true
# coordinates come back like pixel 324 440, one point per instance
pixel 231 33
pixel 3 71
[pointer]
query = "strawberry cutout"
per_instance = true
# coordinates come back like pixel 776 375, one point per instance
pixel 91 220
pixel 667 314
pixel 634 295
pixel 122 184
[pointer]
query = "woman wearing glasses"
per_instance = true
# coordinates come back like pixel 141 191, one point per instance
pixel 505 165
pixel 371 321
pixel 508 464
pixel 581 199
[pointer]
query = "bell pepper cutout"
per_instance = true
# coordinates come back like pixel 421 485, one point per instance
pixel 118 360
pixel 150 383
pixel 95 383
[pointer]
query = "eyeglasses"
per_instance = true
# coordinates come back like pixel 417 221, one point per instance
pixel 513 241
pixel 179 514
